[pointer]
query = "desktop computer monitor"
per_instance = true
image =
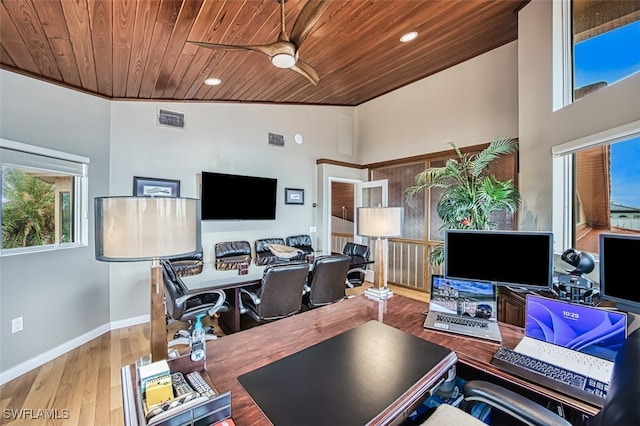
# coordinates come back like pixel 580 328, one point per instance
pixel 620 270
pixel 509 258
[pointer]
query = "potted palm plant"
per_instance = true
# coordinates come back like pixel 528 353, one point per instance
pixel 469 194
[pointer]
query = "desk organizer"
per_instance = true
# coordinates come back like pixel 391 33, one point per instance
pixel 211 411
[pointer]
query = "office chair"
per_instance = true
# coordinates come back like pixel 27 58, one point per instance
pixel 327 279
pixel 302 242
pixel 279 295
pixel 184 306
pixel 264 256
pixel 186 265
pixel 621 406
pixel 359 255
pixel 230 254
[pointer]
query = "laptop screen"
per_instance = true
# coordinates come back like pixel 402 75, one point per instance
pixel 462 297
pixel 582 328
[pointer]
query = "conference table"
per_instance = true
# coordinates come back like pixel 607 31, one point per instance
pixel 231 281
pixel 233 356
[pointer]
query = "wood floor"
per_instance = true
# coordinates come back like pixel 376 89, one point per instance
pixel 82 387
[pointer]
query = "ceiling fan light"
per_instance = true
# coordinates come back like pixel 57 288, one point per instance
pixel 283 60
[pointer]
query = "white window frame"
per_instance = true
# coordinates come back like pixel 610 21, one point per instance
pixel 563 197
pixel 81 193
pixel 562 52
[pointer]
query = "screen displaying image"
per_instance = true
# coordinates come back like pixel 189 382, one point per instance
pixel 586 329
pixel 462 297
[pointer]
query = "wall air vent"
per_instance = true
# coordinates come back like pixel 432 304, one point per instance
pixel 276 140
pixel 170 118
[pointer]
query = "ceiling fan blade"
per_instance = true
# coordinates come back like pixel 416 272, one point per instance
pixel 268 49
pixel 216 46
pixel 306 20
pixel 307 71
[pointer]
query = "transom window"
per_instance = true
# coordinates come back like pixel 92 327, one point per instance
pixel 44 198
pixel 605 41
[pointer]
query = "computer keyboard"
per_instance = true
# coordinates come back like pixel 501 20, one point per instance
pixel 468 322
pixel 551 376
pixel 578 362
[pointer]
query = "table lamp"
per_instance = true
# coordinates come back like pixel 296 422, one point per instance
pixel 134 229
pixel 379 223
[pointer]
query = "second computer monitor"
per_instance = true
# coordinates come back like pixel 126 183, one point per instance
pixel 511 258
pixel 620 270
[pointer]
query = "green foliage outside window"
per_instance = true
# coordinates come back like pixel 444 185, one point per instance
pixel 28 210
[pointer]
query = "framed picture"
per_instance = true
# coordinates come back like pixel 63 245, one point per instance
pixel 293 196
pixel 152 187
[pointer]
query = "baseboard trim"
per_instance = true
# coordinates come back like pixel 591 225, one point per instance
pixel 49 355
pixel 130 321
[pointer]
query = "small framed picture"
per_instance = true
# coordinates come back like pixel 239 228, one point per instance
pixel 293 196
pixel 153 187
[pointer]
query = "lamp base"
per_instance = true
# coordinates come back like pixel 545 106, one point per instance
pixel 378 293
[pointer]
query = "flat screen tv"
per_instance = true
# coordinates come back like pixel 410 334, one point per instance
pixel 620 270
pixel 236 197
pixel 508 258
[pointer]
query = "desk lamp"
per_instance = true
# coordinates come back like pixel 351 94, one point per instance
pixel 380 223
pixel 134 229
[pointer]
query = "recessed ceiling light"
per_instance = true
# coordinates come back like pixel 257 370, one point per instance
pixel 213 81
pixel 298 138
pixel 409 36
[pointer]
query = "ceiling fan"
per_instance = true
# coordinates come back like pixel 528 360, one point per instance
pixel 284 52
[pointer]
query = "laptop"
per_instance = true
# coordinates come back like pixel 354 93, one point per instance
pixel 579 338
pixel 464 307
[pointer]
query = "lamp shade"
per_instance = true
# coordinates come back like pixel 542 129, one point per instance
pixel 380 222
pixel 129 229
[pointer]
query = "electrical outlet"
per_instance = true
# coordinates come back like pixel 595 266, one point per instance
pixel 16 325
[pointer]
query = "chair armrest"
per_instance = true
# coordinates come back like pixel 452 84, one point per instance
pixel 511 403
pixel 253 296
pixel 222 297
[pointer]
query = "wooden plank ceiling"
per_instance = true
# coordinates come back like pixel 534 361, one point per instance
pixel 137 49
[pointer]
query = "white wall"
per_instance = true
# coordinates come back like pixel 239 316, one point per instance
pixel 468 104
pixel 61 294
pixel 541 128
pixel 226 138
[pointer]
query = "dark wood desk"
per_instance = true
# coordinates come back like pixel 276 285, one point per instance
pixel 237 354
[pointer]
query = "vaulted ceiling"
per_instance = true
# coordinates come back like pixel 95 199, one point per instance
pixel 138 49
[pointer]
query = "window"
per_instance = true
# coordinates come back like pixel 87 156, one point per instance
pixel 44 198
pixel 600 182
pixel 605 41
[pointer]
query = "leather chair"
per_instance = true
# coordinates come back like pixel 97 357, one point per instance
pixel 232 253
pixel 185 306
pixel 621 406
pixel 327 279
pixel 264 256
pixel 279 295
pixel 302 242
pixel 185 265
pixel 359 255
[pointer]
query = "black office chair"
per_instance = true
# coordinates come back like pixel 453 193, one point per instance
pixel 230 254
pixel 359 255
pixel 184 306
pixel 189 264
pixel 302 242
pixel 279 295
pixel 327 279
pixel 264 256
pixel 621 407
